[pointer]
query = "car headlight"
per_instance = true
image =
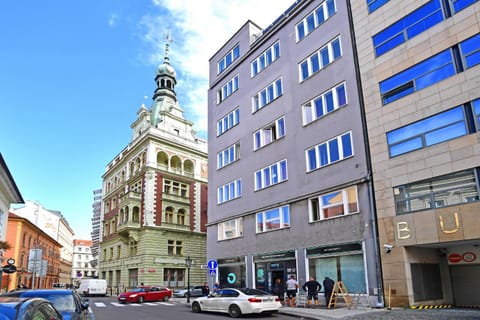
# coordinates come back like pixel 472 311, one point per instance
pixel 133 295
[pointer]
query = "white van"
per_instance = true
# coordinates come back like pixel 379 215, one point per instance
pixel 93 287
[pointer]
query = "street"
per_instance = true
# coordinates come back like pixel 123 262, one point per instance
pixel 107 308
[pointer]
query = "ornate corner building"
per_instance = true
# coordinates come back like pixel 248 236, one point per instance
pixel 154 206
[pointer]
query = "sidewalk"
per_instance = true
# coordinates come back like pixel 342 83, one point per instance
pixel 324 313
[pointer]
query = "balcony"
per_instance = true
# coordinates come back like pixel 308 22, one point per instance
pixel 124 229
pixel 131 197
pixel 175 226
pixel 175 198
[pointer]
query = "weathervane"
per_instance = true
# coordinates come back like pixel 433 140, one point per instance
pixel 167 46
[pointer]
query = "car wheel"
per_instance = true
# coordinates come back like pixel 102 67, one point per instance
pixel 140 300
pixel 196 307
pixel 165 299
pixel 234 311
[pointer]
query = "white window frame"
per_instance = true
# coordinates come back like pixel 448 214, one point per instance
pixel 269 134
pixel 309 108
pixel 228 89
pixel 224 61
pixel 265 59
pixel 230 229
pixel 316 207
pixel 327 143
pixel 271 175
pixel 228 122
pixel 228 155
pixel 229 191
pixel 267 95
pixel 304 23
pixel 280 214
pixel 318 55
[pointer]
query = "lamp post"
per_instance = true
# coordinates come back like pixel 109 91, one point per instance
pixel 188 263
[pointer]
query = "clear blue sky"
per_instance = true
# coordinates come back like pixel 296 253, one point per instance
pixel 74 73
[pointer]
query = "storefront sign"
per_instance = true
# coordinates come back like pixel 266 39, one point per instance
pixel 335 249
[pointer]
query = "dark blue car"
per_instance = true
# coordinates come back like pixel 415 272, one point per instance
pixel 67 302
pixel 15 308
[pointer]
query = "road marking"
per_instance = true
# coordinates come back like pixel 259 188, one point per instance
pixel 167 303
pixel 117 304
pixel 100 304
pixel 136 304
pixel 151 304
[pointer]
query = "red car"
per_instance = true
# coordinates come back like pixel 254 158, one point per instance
pixel 145 293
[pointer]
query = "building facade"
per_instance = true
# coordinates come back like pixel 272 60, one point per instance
pixel 53 223
pixel 420 71
pixel 96 227
pixel 290 181
pixel 82 261
pixel 36 255
pixel 155 197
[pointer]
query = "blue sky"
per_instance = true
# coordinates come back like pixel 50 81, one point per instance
pixel 74 73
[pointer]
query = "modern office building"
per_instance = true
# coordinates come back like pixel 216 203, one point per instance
pixel 289 177
pixel 155 197
pixel 420 70
pixel 96 223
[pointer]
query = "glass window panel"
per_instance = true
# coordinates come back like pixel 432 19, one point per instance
pixel 333 211
pixel 300 31
pixel 279 88
pixel 281 127
pixel 310 23
pixel 283 170
pixel 315 63
pixel 258 180
pixel 262 62
pixel 323 152
pixel 331 7
pixel 329 101
pixel 437 75
pixel 257 140
pixel 334 152
pixel 332 198
pixel 347 145
pixel 270 95
pixel 274 172
pixel 319 107
pixel 304 69
pixel 470 49
pixel 263 98
pixel 425 24
pixel 312 159
pixel 266 176
pixel 445 133
pixel 236 52
pixel 325 57
pixel 341 95
pixel 269 56
pixel 228 59
pixel 337 51
pixel 406 146
pixel 320 15
pixel 353 272
pixel 254 67
pixel 462 4
pixel 276 50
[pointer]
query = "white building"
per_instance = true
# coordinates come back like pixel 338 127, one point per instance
pixel 82 260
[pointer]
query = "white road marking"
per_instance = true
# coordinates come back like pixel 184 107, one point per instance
pixel 117 304
pixel 100 304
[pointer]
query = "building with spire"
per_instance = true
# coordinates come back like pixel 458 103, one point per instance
pixel 154 203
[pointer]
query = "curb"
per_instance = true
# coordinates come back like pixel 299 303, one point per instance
pixel 440 306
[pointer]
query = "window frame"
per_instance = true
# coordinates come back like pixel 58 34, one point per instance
pixel 228 122
pixel 276 129
pixel 305 67
pixel 228 89
pixel 330 145
pixel 223 63
pixel 228 155
pixel 280 214
pixel 271 175
pixel 273 51
pixel 235 226
pixel 303 28
pixel 229 191
pixel 310 109
pixel 267 95
pixel 316 207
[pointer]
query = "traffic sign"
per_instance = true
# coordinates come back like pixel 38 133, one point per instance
pixel 212 264
pixel 9 268
pixel 212 273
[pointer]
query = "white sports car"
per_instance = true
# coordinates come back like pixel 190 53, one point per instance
pixel 236 302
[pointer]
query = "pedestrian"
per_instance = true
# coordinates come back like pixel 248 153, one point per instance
pixel 278 289
pixel 216 286
pixel 292 286
pixel 312 287
pixel 205 289
pixel 328 287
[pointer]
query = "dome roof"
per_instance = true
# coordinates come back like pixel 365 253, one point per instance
pixel 166 69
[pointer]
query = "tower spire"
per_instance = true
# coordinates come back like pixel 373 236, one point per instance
pixel 167 48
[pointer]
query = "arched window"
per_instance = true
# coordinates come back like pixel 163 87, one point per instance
pixel 168 215
pixel 162 160
pixel 181 217
pixel 188 167
pixel 176 164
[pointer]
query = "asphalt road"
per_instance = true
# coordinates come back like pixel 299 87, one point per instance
pixel 108 308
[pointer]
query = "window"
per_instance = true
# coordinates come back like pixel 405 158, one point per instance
pixel 432 70
pixel 375 4
pixel 327 102
pixel 331 151
pixel 320 59
pixel 228 155
pixel 228 122
pixel 267 95
pixel 452 189
pixel 458 5
pixel 175 188
pixel 333 204
pixel 132 247
pixel 315 19
pixel 174 247
pixel 438 128
pixel 230 229
pixel 269 134
pixel 408 27
pixel 227 89
pixel 271 175
pixel 229 191
pixel 265 59
pixel 274 219
pixel 228 59
pixel 119 251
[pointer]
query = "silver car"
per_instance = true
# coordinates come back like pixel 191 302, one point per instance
pixel 194 291
pixel 236 302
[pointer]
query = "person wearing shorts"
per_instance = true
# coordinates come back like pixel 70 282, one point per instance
pixel 292 286
pixel 312 287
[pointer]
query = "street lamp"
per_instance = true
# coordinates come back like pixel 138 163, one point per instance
pixel 188 263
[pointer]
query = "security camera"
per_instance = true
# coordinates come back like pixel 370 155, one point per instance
pixel 388 248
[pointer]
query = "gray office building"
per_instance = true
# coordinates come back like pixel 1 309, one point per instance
pixel 289 172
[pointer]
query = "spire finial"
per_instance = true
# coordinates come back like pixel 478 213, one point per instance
pixel 167 47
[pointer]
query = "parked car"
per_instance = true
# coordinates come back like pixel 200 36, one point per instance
pixel 93 287
pixel 145 293
pixel 195 291
pixel 68 302
pixel 15 308
pixel 236 302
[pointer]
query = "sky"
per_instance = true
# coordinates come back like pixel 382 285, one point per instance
pixel 74 73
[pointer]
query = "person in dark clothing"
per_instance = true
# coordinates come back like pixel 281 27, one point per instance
pixel 312 287
pixel 205 289
pixel 278 289
pixel 328 286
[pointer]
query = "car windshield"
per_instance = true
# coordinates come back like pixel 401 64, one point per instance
pixel 137 290
pixel 254 292
pixel 62 302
